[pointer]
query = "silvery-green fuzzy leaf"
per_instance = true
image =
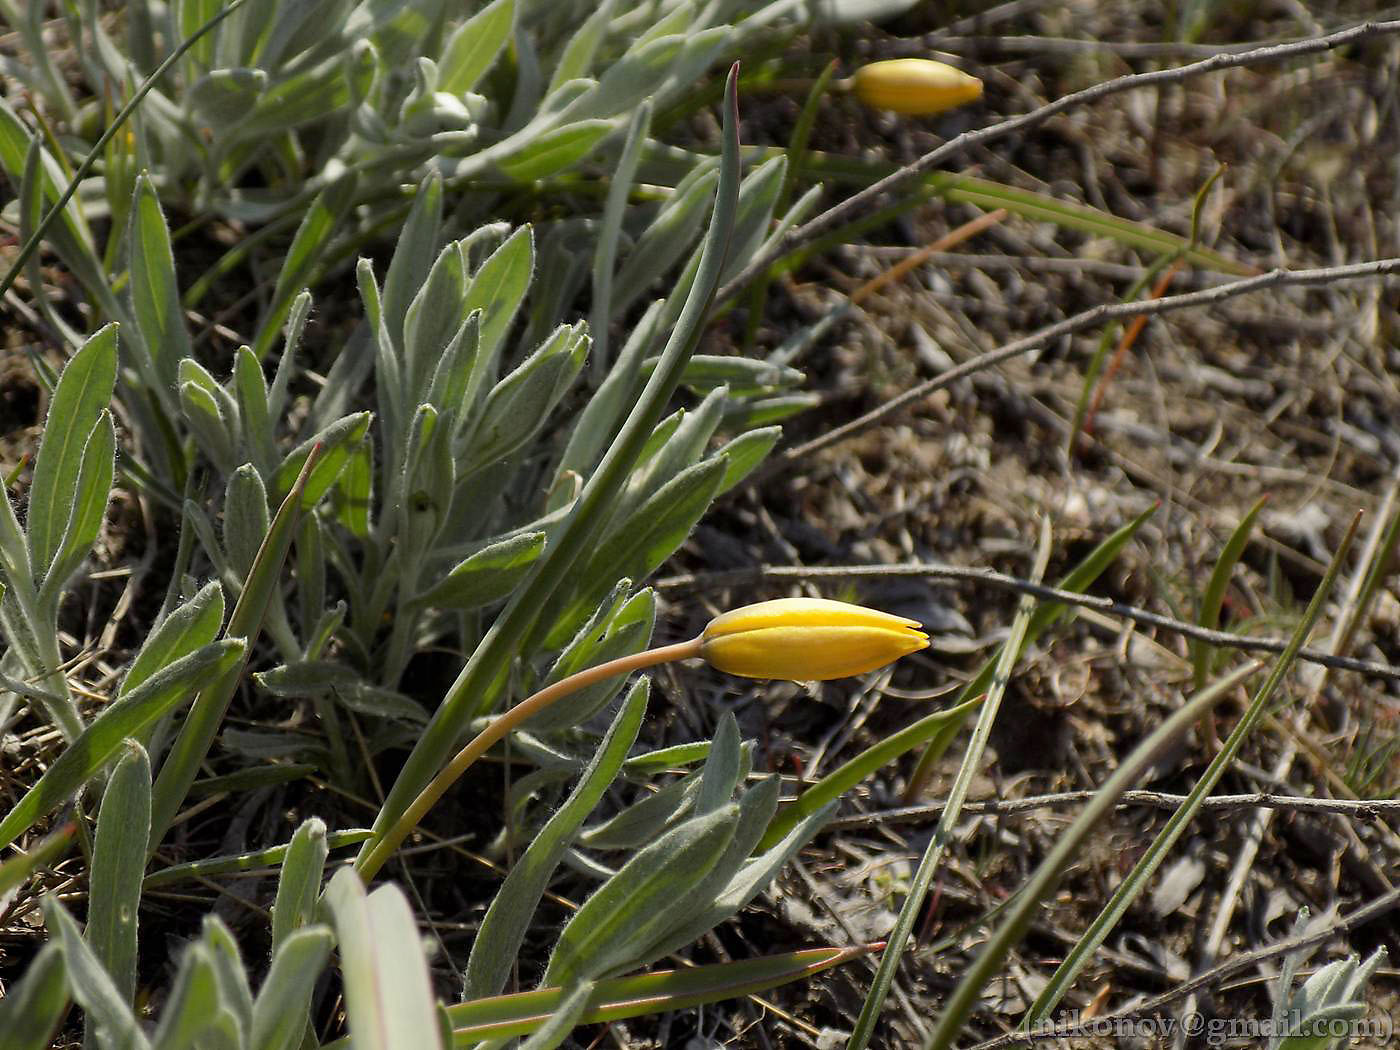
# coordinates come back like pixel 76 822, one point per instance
pixel 746 415
pixel 520 404
pixel 414 254
pixel 642 900
pixel 338 442
pixel 223 97
pixel 555 151
pixel 644 820
pixel 742 376
pixel 299 884
pixel 306 678
pixel 487 576
pixel 246 518
pixel 580 48
pixel 628 631
pixel 667 238
pixel 629 80
pixel 498 290
pixel 88 510
pixel 452 377
pixel 745 453
pixel 474 47
pixel 234 994
pixel 92 989
pixel 748 881
pixel 250 388
pixel 192 624
pixel 283 1005
pixel 83 393
pixel 155 292
pixel 35 1004
pixel 637 545
pixel 118 863
pixel 434 316
pixel 497 943
pixel 721 771
pixel 563 268
pixel 680 450
pixel 211 412
pixel 758 195
pixel 377 702
pixel 103 737
pixel 388 998
pixel 193 1008
pixel 608 406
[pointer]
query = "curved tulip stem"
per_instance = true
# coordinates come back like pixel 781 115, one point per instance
pixel 370 862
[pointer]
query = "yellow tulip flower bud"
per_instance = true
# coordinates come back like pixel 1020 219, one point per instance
pixel 917 87
pixel 807 640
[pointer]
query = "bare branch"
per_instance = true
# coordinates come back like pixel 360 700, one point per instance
pixel 1090 318
pixel 858 203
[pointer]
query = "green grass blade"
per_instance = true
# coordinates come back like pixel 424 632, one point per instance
pixel 253 860
pixel 504 1016
pixel 201 725
pixel 118 862
pixel 1214 596
pixel 16 870
pixel 102 739
pixel 1136 881
pixel 1023 909
pixel 940 727
pixel 477 685
pixel 957 794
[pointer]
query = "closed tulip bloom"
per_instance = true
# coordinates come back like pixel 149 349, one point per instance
pixel 917 87
pixel 807 640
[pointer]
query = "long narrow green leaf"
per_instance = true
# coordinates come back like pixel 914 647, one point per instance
pixel 497 943
pixel 1137 879
pixel 118 861
pixel 504 1016
pixel 1214 596
pixel 478 684
pixel 253 860
pixel 605 253
pixel 202 723
pixel 1067 849
pixel 126 717
pixel 16 870
pixel 89 510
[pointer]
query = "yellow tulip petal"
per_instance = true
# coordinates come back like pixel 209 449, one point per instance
pixel 914 86
pixel 807 639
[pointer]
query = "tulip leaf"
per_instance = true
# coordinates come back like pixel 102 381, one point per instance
pixel 1208 616
pixel 502 931
pixel 250 861
pixel 505 1016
